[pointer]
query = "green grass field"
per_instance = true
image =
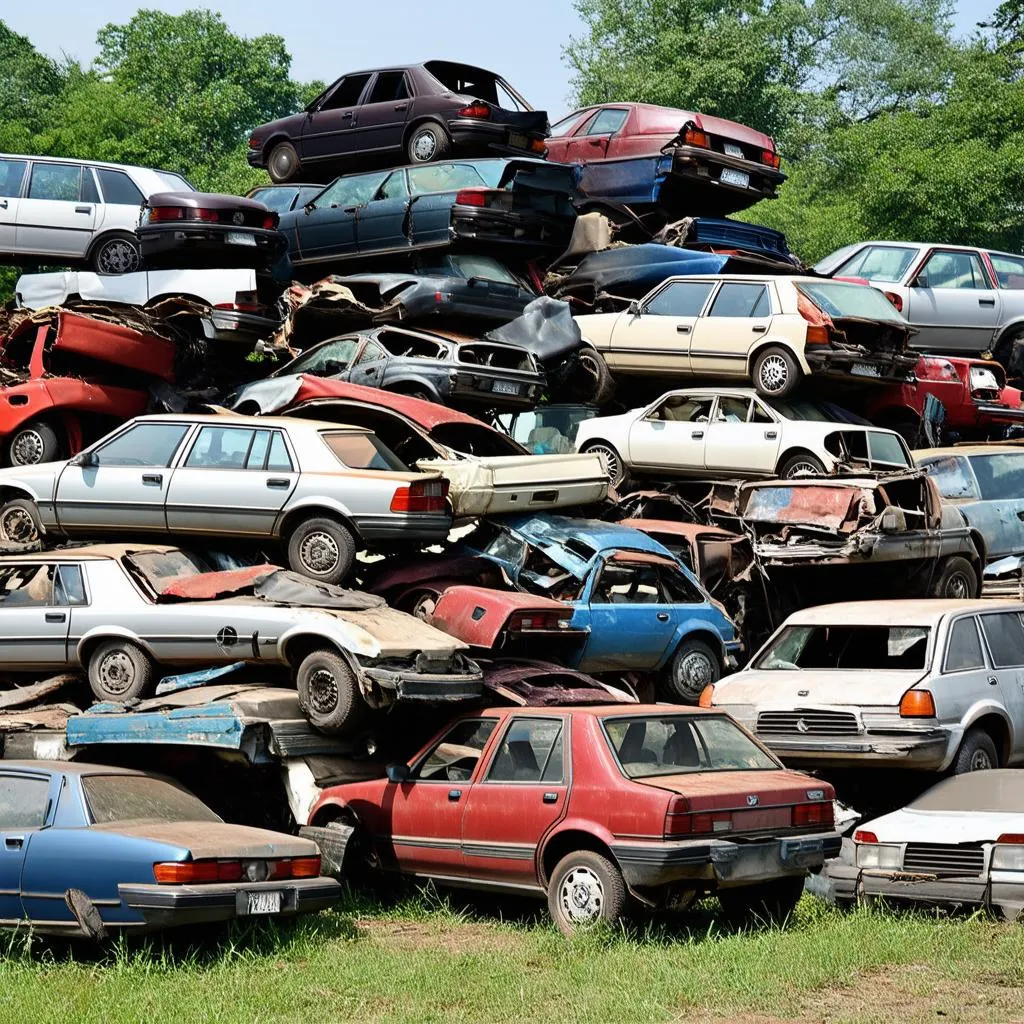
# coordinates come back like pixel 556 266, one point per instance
pixel 432 959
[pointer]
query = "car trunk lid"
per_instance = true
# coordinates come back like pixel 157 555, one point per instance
pixel 204 839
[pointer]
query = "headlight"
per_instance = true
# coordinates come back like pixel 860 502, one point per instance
pixel 1007 858
pixel 879 855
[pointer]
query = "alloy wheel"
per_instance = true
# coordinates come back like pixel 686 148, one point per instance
pixel 581 896
pixel 118 256
pixel 611 458
pixel 802 469
pixel 319 553
pixel 774 374
pixel 17 526
pixel 117 672
pixel 27 448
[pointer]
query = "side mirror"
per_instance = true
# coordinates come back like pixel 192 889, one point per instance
pixel 921 281
pixel 86 459
pixel 397 772
pixel 309 208
pixel 633 309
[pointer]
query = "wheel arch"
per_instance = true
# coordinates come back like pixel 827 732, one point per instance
pixel 995 722
pixel 104 235
pixel 91 640
pixel 332 809
pixel 268 147
pixel 691 630
pixel 776 342
pixel 422 119
pixel 410 384
pixel 798 449
pixel 571 837
pixel 316 509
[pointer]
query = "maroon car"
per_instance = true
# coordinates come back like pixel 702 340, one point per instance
pixel 412 114
pixel 593 808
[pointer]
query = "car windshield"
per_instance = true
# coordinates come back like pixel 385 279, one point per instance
pixel 845 648
pixel 991 792
pixel 161 568
pixel 839 299
pixel 651 745
pixel 469 267
pixel 140 799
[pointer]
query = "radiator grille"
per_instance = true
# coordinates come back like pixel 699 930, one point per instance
pixel 940 859
pixel 807 723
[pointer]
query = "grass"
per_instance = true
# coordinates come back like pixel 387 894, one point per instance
pixel 430 959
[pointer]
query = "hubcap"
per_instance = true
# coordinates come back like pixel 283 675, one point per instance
pixel 323 691
pixel 980 761
pixel 694 673
pixel 774 374
pixel 27 448
pixel 581 896
pixel 17 526
pixel 319 553
pixel 802 469
pixel 957 587
pixel 424 146
pixel 118 257
pixel 117 673
pixel 282 162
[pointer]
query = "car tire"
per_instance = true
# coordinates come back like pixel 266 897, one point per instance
pixel 32 444
pixel 117 253
pixel 957 579
pixel 801 464
pixel 694 666
pixel 977 753
pixel 767 903
pixel 283 163
pixel 592 382
pixel 19 522
pixel 586 889
pixel 618 473
pixel 119 671
pixel 329 692
pixel 776 373
pixel 427 142
pixel 322 549
pixel 910 430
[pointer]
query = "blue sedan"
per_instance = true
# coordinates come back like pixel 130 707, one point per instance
pixel 85 849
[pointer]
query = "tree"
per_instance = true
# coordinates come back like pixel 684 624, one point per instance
pixel 29 82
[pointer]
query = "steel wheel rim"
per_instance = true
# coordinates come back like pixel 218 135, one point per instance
pixel 118 257
pixel 581 896
pixel 957 587
pixel 614 466
pixel 17 526
pixel 319 553
pixel 980 761
pixel 323 691
pixel 774 374
pixel 802 469
pixel 424 146
pixel 27 448
pixel 116 672
pixel 694 672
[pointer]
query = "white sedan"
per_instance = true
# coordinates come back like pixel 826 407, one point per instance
pixel 735 432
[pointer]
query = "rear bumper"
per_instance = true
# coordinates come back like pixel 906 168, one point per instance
pixel 230 325
pixel 473 385
pixel 723 863
pixel 208 245
pixel 426 526
pixel 471 133
pixel 705 165
pixel 506 227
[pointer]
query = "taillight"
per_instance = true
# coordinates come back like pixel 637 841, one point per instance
pixel 896 300
pixel 294 867
pixel 818 813
pixel 693 136
pixel 422 496
pixel 770 157
pixel 475 110
pixel 270 221
pixel 255 142
pixel 211 216
pixel 917 704
pixel 677 817
pixel 191 872
pixel 707 696
pixel 860 836
pixel 537 146
pixel 817 335
pixel 472 197
pixel 713 821
pixel 164 213
pixel 527 621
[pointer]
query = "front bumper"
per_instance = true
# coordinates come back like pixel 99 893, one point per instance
pixel 165 906
pixel 722 863
pixel 196 244
pixel 988 413
pixel 705 165
pixel 509 227
pixel 926 750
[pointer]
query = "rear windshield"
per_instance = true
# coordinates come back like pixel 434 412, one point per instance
pixel 474 82
pixel 136 798
pixel 175 182
pixel 363 451
pixel 480 441
pixel 680 744
pixel 446 178
pixel 822 648
pixel 839 299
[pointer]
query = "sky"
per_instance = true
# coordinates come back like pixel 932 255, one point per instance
pixel 329 37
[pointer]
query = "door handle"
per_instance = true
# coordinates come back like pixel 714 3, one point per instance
pixel 14 842
pixel 83 209
pixel 771 435
pixel 759 328
pixel 682 329
pixel 454 794
pixel 56 616
pixel 152 478
pixel 697 435
pixel 1020 515
pixel 347 116
pixel 350 209
pixel 986 302
pixel 3 204
pixel 278 482
pixel 551 798
pixel 992 681
pixel 401 106
pixel 663 616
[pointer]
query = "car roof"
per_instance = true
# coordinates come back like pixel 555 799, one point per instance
pixel 232 419
pixel 88 552
pixel 894 612
pixel 71 767
pixel 970 449
pixel 597 710
pixel 595 534
pixel 89 163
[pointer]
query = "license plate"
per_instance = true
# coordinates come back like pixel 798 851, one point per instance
pixel 241 238
pixel 865 370
pixel 732 149
pixel 731 177
pixel 268 902
pixel 504 387
pixel 517 141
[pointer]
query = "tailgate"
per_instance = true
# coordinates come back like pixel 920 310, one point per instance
pixel 521 483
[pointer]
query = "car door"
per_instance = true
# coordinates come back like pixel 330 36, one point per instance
pixel 250 471
pixel 742 435
pixel 58 213
pixel 722 339
pixel 952 303
pixel 34 619
pixel 522 793
pixel 121 199
pixel 380 225
pixel 12 180
pixel 370 366
pixel 25 805
pixel 120 484
pixel 591 142
pixel 426 810
pixel 329 130
pixel 380 118
pixel 966 674
pixel 1000 516
pixel 656 338
pixel 1004 640
pixel 327 229
pixel 671 434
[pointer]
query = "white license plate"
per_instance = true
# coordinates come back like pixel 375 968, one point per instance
pixel 268 902
pixel 865 370
pixel 241 238
pixel 517 141
pixel 731 177
pixel 504 387
pixel 732 149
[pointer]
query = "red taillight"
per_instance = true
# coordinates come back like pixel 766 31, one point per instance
pixel 191 872
pixel 472 197
pixel 270 222
pixel 813 814
pixel 255 142
pixel 527 621
pixel 422 496
pixel 714 821
pixel 212 216
pixel 896 300
pixel 475 110
pixel 537 146
pixel 677 817
pixel 293 867
pixel 770 157
pixel 163 213
pixel 860 836
pixel 693 136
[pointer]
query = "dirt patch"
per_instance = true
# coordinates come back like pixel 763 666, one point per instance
pixel 447 936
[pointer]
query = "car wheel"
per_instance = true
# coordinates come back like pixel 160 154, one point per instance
pixel 776 373
pixel 283 163
pixel 328 692
pixel 34 443
pixel 592 383
pixel 767 903
pixel 910 430
pixel 119 671
pixel 694 666
pixel 958 579
pixel 427 142
pixel 618 474
pixel 801 464
pixel 117 254
pixel 977 753
pixel 19 522
pixel 321 549
pixel 586 889
pixel 420 604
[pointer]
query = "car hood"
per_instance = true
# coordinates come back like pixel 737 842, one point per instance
pixel 911 826
pixel 214 838
pixel 780 689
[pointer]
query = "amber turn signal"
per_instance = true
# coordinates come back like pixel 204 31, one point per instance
pixel 917 704
pixel 706 696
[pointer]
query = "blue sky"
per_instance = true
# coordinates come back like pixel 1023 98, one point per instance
pixel 329 37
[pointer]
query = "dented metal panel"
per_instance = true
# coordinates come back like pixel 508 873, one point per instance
pixel 478 615
pixel 833 508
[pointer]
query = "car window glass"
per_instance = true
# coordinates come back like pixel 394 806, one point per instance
pixel 119 188
pixel 683 409
pixel 362 451
pixel 952 476
pixel 70 586
pixel 394 187
pixel 1005 635
pixel 346 93
pixel 26 586
pixel 145 444
pixel 1009 269
pixel 279 461
pixel 527 752
pixel 55 181
pixel 1000 477
pixel 455 757
pixel 953 270
pixel 622 583
pixel 607 122
pixel 564 126
pixel 886 448
pixel 681 298
pixel 258 450
pixel 327 359
pixel 841 647
pixel 760 414
pixel 12 174
pixel 677 589
pixel 220 448
pixel 746 300
pixel 388 87
pixel 355 191
pixel 732 410
pixel 90 193
pixel 371 353
pixel 963 651
pixel 444 178
pixel 23 802
pixel 878 263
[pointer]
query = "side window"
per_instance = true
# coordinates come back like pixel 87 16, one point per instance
pixel 732 410
pixel 372 353
pixel 26 586
pixel 69 587
pixel 963 650
pixel 455 757
pixel 389 86
pixel 258 452
pixel 118 188
pixel 90 193
pixel 279 461
pixel 220 448
pixel 145 444
pixel 12 175
pixel 566 125
pixel 879 263
pixel 347 92
pixel 55 181
pixel 394 187
pixel 887 450
pixel 530 751
pixel 744 300
pixel 953 270
pixel 327 359
pixel 621 583
pixel 677 589
pixel 1000 477
pixel 1009 269
pixel 607 122
pixel 760 414
pixel 683 409
pixel 23 802
pixel 355 191
pixel 1005 636
pixel 681 298
pixel 952 476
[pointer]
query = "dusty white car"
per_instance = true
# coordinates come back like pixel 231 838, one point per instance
pixel 771 330
pixel 734 432
pixel 930 685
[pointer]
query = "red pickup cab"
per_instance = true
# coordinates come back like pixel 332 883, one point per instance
pixel 594 808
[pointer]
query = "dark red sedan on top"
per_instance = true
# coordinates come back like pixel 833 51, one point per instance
pixel 594 807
